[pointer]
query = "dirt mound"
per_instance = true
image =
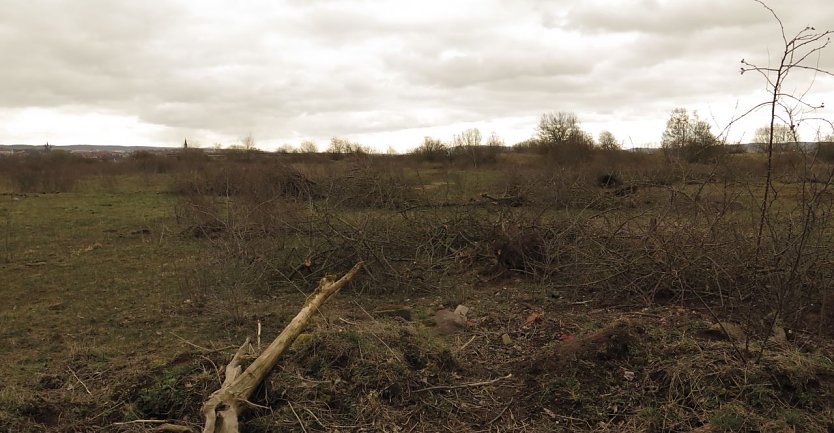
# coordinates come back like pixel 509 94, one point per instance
pixel 367 376
pixel 663 374
pixel 613 343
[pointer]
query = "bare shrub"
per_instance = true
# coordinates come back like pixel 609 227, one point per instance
pixel 685 233
pixel 150 162
pixel 48 172
pixel 257 181
pixel 370 184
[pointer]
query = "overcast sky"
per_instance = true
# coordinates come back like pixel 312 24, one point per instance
pixel 384 73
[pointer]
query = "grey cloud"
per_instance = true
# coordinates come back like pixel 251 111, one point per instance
pixel 486 68
pixel 344 67
pixel 696 30
pixel 665 17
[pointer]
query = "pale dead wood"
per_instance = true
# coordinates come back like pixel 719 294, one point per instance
pixel 141 421
pixel 173 428
pixel 508 200
pixel 297 417
pixel 467 343
pixel 164 425
pixel 79 381
pixel 239 385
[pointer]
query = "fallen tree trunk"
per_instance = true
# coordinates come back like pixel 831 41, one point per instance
pixel 238 386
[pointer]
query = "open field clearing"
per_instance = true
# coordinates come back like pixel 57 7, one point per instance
pixel 623 293
pixel 469 217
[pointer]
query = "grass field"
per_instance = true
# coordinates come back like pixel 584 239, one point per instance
pixel 640 307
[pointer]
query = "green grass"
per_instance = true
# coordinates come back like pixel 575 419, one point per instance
pixel 728 419
pixel 101 282
pixel 90 272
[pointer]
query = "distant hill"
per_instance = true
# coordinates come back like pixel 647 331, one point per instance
pixel 86 147
pixel 805 146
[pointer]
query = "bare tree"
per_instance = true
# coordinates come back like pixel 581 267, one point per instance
pixel 248 143
pixel 688 137
pixel 783 135
pixel 432 149
pixel 790 252
pixel 607 141
pixel 494 140
pixel 468 138
pixel 557 127
pixel 339 145
pixel 560 137
pixel 800 54
pixel 468 141
pixel 343 146
pixel 284 148
pixel 308 146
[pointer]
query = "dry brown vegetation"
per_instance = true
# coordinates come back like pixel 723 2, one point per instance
pixel 633 288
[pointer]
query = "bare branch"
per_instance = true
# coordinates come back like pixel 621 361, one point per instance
pixel 799 101
pixel 778 20
pixel 814 69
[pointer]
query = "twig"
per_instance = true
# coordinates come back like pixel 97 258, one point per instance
pixel 164 425
pixel 255 405
pixel 581 302
pixel 204 349
pixel 466 385
pixel 79 381
pixel 142 421
pixel 216 370
pixel 259 336
pixel 467 343
pixel 348 321
pixel 296 417
pixel 315 417
pixel 501 413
